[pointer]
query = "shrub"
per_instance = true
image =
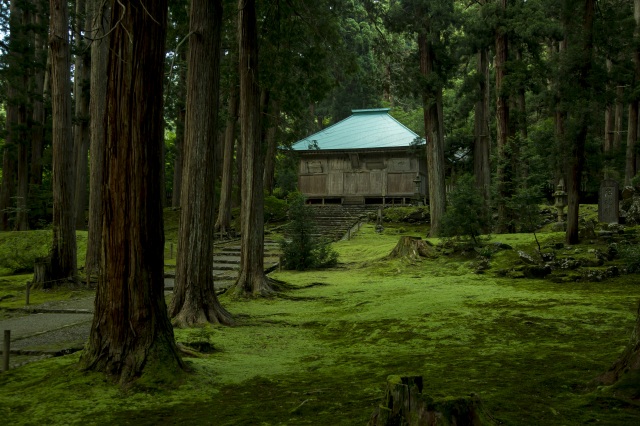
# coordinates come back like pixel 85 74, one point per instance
pixel 466 214
pixel 301 249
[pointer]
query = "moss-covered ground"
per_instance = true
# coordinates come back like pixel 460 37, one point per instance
pixel 319 354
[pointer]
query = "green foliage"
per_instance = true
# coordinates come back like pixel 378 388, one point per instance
pixel 18 250
pixel 407 214
pixel 301 248
pixel 466 214
pixel 275 209
pixel 630 255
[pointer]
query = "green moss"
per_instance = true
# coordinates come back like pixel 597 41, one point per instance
pixel 321 354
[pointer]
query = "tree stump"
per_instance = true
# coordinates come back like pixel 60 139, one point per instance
pixel 404 404
pixel 41 272
pixel 413 248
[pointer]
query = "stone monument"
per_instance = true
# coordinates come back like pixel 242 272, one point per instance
pixel 608 202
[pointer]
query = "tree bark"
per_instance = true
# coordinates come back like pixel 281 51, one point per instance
pixel 251 280
pixel 632 130
pixel 609 117
pixel 179 144
pixel 272 146
pixel 97 107
pixel 582 115
pixel 81 91
pixel 12 141
pixel 619 111
pixel 431 102
pixel 503 170
pixel 194 298
pixel 223 224
pixel 38 116
pixel 63 253
pixel 131 332
pixel 482 141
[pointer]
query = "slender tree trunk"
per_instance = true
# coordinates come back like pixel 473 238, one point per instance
pixel 482 145
pixel 632 130
pixel 435 140
pixel 619 112
pixel 194 298
pixel 582 115
pixel 272 146
pixel 38 117
pixel 609 118
pixel 223 224
pixel 503 170
pixel 97 107
pixel 252 279
pixel 63 253
pixel 131 332
pixel 11 142
pixel 81 91
pixel 179 146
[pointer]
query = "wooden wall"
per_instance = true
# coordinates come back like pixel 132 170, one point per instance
pixel 345 174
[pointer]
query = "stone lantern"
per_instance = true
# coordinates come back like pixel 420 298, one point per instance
pixel 417 181
pixel 560 197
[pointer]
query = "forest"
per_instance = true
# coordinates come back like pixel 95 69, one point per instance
pixel 131 131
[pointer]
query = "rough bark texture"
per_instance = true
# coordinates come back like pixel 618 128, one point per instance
pixel 272 146
pixel 609 118
pixel 81 94
pixel 179 144
pixel 38 116
pixel 632 130
pixel 63 253
pixel 194 298
pixel 482 141
pixel 97 106
pixel 252 279
pixel 11 142
pixel 131 331
pixel 579 142
pixel 432 105
pixel 619 111
pixel 404 404
pixel 503 174
pixel 223 223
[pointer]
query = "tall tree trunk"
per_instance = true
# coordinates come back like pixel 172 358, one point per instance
pixel 609 117
pixel 63 253
pixel 178 168
pixel 435 141
pixel 12 140
pixel 97 107
pixel 619 112
pixel 41 52
pixel 131 332
pixel 482 140
pixel 194 298
pixel 252 279
pixel 272 146
pixel 632 130
pixel 223 224
pixel 582 115
pixel 24 116
pixel 81 91
pixel 503 170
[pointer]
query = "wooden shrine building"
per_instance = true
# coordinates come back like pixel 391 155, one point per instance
pixel 367 158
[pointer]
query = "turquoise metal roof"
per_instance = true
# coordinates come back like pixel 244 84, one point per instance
pixel 366 128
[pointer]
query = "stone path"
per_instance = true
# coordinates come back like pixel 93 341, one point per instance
pixel 57 328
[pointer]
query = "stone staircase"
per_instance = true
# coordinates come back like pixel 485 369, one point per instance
pixel 334 221
pixel 226 261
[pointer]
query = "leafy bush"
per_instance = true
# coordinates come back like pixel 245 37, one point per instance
pixel 301 248
pixel 409 214
pixel 275 209
pixel 18 250
pixel 630 255
pixel 466 214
